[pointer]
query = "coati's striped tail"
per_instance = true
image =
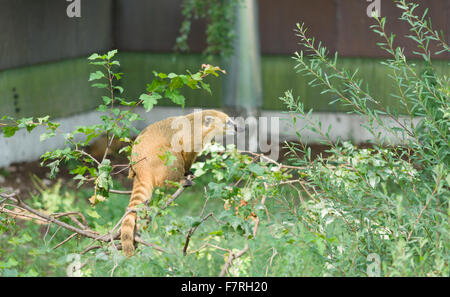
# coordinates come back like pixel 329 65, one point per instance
pixel 141 192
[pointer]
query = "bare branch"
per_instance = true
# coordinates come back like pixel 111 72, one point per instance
pixel 175 195
pixel 269 160
pixel 64 241
pixel 83 230
pixel 231 258
pixel 271 260
pixel 191 232
pixel 120 192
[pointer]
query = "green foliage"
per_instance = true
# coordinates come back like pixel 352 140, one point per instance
pixel 27 248
pixel 116 122
pixel 392 201
pixel 240 183
pixel 228 228
pixel 220 16
pixel 9 126
pixel 314 217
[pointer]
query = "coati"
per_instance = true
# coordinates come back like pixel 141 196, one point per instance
pixel 98 146
pixel 150 168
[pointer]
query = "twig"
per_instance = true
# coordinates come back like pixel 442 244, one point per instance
pixel 69 214
pixel 86 232
pixel 191 232
pixel 175 195
pixel 87 155
pixel 193 229
pixel 10 195
pixel 121 170
pixel 279 165
pixel 271 259
pixel 59 228
pixel 89 248
pixel 149 244
pixel 18 215
pixel 423 209
pixel 120 192
pixel 263 200
pixel 64 241
pixel 231 258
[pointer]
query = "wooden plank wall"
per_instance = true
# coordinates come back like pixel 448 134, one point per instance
pixel 39 31
pixel 342 25
pixel 43 66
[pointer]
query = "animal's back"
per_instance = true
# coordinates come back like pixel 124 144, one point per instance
pixel 149 154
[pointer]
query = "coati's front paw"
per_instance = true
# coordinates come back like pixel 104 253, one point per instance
pixel 188 181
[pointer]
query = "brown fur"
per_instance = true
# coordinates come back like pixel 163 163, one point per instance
pixel 98 146
pixel 149 171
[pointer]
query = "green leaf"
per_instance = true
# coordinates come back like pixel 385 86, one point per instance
pixel 100 86
pixel 119 88
pixel 197 76
pixel 104 181
pixel 156 86
pixel 111 54
pixel 98 63
pixel 9 131
pixel 10 273
pixel 94 57
pixel 206 87
pixel 92 213
pixel 176 83
pixel 96 75
pixel 161 75
pixel 168 158
pixel 217 233
pixel 106 100
pixel 11 263
pixel 31 273
pixel 176 97
pixel 118 76
pixel 149 100
pixel 256 169
pixel 46 136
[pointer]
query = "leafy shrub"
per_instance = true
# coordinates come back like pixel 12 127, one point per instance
pixel 376 211
pixel 390 200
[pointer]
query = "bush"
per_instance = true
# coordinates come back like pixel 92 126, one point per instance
pixel 389 204
pixel 376 211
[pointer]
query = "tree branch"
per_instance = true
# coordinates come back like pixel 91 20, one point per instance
pixel 231 258
pixel 83 230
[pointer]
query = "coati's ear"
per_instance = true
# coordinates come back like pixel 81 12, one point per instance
pixel 208 120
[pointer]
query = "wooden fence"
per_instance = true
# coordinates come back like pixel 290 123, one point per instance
pixel 43 66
